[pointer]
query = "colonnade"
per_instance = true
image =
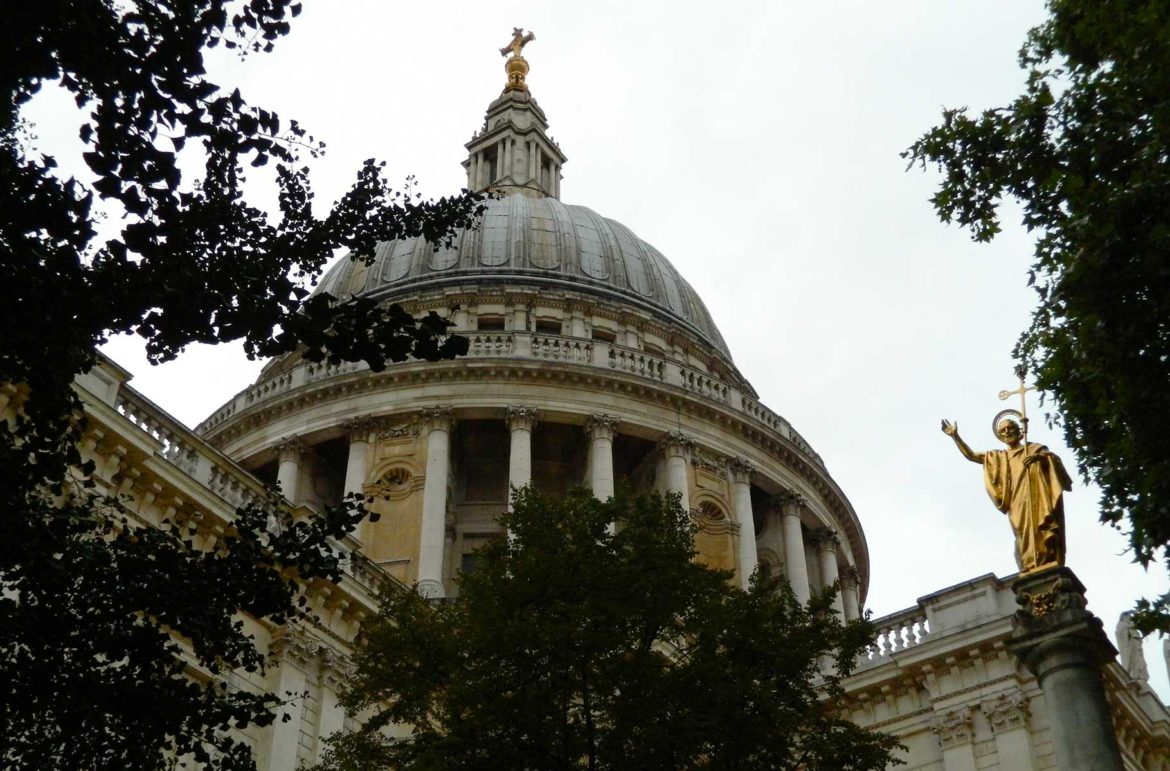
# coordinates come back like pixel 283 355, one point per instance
pixel 677 450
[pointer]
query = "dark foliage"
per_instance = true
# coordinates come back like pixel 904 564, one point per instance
pixel 570 646
pixel 1085 150
pixel 88 675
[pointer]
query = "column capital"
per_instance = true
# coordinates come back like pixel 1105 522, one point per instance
pixel 293 644
pixel 601 426
pixel 358 429
pixel 825 539
pixel 790 503
pixel 520 417
pixel 1007 712
pixel 337 669
pixel 953 728
pixel 438 418
pixel 289 448
pixel 677 444
pixel 849 576
pixel 1052 627
pixel 741 470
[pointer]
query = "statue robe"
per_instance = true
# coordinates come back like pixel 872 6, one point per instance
pixel 1034 504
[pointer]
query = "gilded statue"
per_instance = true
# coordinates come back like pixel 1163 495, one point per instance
pixel 1026 481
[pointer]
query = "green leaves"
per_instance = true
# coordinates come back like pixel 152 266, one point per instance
pixel 572 646
pixel 1085 150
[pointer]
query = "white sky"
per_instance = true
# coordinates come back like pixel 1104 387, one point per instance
pixel 756 145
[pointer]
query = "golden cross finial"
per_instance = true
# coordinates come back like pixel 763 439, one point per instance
pixel 519 40
pixel 517 65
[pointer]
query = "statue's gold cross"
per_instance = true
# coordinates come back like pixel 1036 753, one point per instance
pixel 1023 389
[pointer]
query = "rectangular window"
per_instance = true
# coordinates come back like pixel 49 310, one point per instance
pixel 604 335
pixel 546 327
pixel 490 323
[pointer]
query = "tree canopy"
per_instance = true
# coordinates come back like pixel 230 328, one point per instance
pixel 88 671
pixel 571 646
pixel 1085 150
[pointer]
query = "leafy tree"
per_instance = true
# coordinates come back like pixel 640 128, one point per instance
pixel 569 646
pixel 1085 150
pixel 88 675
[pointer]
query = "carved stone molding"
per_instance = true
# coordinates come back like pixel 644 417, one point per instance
pixel 358 429
pixel 337 669
pixel 849 576
pixel 1007 712
pixel 677 444
pixel 601 426
pixel 825 539
pixel 289 448
pixel 439 418
pixel 519 417
pixel 709 517
pixel 292 644
pixel 953 728
pixel 741 470
pixel 394 427
pixel 710 463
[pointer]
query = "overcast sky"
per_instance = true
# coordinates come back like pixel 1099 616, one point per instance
pixel 757 146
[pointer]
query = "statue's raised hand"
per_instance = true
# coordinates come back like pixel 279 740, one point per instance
pixel 949 428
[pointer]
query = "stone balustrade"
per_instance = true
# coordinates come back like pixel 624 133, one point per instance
pixel 525 345
pixel 897 632
pixel 223 477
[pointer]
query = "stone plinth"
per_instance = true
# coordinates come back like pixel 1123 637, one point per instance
pixel 1064 647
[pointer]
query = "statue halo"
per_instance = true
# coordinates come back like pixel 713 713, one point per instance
pixel 1015 416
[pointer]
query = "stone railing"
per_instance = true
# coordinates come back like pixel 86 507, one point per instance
pixel 974 603
pixel 570 350
pixel 896 632
pixel 217 473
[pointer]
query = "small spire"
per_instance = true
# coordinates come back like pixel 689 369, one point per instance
pixel 517 66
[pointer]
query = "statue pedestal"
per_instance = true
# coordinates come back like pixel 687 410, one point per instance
pixel 1064 647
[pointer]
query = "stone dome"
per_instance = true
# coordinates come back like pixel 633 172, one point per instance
pixel 537 240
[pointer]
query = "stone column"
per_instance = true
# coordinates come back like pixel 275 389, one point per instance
pixel 439 422
pixel 827 542
pixel 1008 717
pixel 791 505
pixel 520 421
pixel 741 481
pixel 358 433
pixel 1065 648
pixel 850 593
pixel 288 476
pixel 955 731
pixel 677 449
pixel 601 430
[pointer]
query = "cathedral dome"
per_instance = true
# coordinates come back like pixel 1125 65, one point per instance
pixel 537 240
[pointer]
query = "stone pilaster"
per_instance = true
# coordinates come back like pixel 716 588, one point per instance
pixel 791 505
pixel 601 429
pixel 439 423
pixel 740 472
pixel 1007 715
pixel 1065 648
pixel 955 731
